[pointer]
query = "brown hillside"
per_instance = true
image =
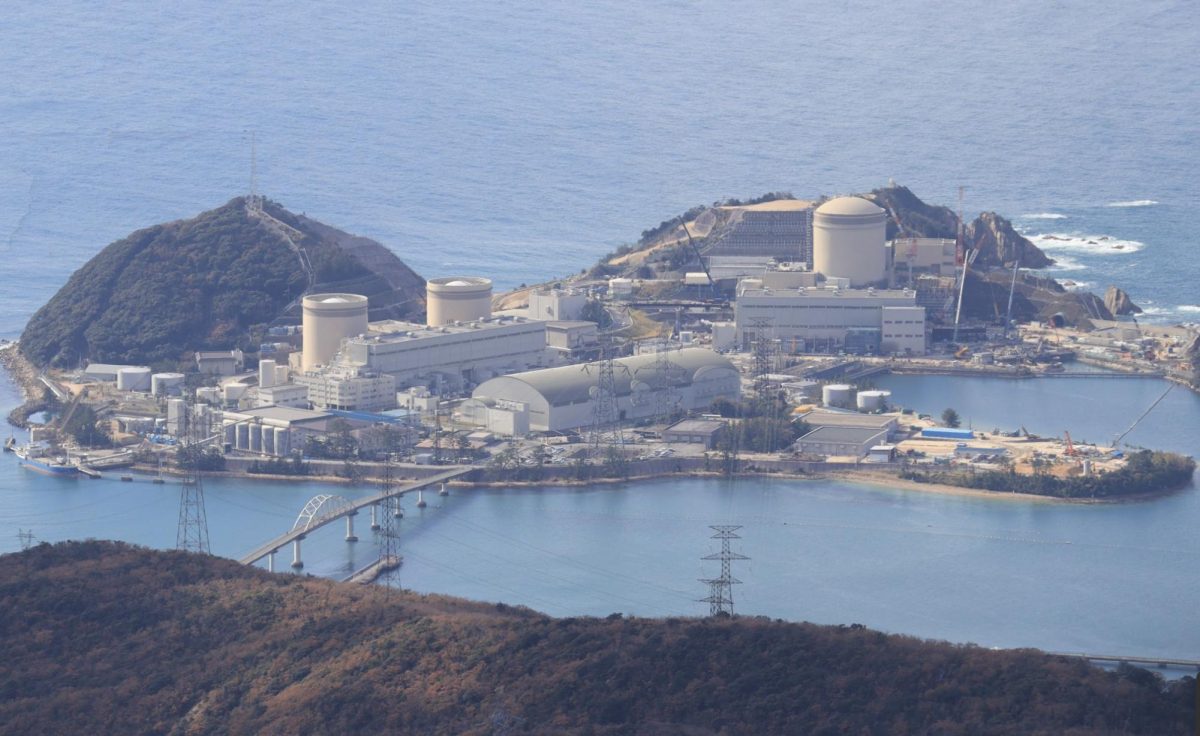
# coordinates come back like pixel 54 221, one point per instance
pixel 104 638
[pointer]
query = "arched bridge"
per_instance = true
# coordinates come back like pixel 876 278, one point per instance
pixel 327 508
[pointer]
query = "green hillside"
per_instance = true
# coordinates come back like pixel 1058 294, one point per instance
pixel 205 283
pixel 104 638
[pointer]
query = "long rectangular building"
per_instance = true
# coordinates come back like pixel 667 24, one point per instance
pixel 827 320
pixel 448 357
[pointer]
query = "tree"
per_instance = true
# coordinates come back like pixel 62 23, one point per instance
pixel 950 418
pixel 594 311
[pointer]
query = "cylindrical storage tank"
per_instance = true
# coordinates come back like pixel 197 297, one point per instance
pixel 281 375
pixel 208 394
pixel 329 319
pixel 234 391
pixel 872 400
pixel 457 299
pixel 166 384
pixel 837 394
pixel 848 241
pixel 133 378
pixel 266 373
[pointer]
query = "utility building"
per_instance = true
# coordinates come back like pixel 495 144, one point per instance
pixel 451 356
pixel 827 320
pixel 563 398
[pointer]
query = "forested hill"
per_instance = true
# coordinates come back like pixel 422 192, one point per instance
pixel 103 638
pixel 210 282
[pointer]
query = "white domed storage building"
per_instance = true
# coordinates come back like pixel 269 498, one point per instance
pixel 562 398
pixel 849 236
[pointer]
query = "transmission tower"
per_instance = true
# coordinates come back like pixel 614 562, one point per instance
pixel 720 590
pixel 26 538
pixel 192 533
pixel 764 358
pixel 389 534
pixel 606 416
pixel 666 376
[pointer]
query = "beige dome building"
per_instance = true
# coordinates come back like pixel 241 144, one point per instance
pixel 848 241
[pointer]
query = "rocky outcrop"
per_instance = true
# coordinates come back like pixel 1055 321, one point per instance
pixel 910 217
pixel 1119 303
pixel 999 244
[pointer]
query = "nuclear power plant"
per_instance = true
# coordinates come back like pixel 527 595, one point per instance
pixel 457 299
pixel 328 319
pixel 849 235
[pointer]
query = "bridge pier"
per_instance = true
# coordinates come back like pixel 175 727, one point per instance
pixel 420 498
pixel 442 491
pixel 374 517
pixel 350 537
pixel 296 561
pixel 271 560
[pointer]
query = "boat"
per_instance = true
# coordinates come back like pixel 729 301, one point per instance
pixel 38 457
pixel 10 444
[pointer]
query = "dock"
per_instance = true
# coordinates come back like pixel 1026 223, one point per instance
pixel 371 572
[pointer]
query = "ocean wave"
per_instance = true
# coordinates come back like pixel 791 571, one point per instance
pixel 1044 216
pixel 1133 203
pixel 1066 263
pixel 1073 285
pixel 1190 308
pixel 1092 244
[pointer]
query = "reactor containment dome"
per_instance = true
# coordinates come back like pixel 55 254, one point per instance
pixel 457 299
pixel 848 241
pixel 328 319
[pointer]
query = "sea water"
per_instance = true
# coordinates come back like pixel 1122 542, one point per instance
pixel 545 135
pixel 522 141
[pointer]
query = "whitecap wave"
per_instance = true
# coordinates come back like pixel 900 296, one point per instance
pixel 1066 263
pixel 1133 203
pixel 1152 311
pixel 1190 308
pixel 1090 244
pixel 1044 216
pixel 1073 285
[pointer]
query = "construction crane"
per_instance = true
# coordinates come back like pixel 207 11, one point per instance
pixel 1011 289
pixel 696 250
pixel 1070 451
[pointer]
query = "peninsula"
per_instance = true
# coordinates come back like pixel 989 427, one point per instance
pixel 738 337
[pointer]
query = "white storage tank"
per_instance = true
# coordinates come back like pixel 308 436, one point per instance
pixel 329 319
pixel 167 384
pixel 266 373
pixel 848 240
pixel 234 391
pixel 457 299
pixel 208 394
pixel 837 394
pixel 281 375
pixel 873 400
pixel 133 378
pixel 176 411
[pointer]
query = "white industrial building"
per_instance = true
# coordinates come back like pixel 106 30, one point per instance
pixel 831 319
pixel 348 388
pixel 271 430
pixel 912 257
pixel 848 241
pixel 449 357
pixel 563 398
pixel 840 441
pixel 556 304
